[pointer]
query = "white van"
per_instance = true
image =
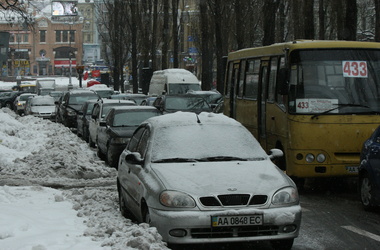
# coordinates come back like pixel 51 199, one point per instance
pixel 173 81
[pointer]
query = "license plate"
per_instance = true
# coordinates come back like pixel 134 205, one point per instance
pixel 236 220
pixel 352 169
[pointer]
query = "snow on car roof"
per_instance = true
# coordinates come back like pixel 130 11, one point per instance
pixel 184 118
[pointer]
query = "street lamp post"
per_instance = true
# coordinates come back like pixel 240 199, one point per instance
pixel 70 83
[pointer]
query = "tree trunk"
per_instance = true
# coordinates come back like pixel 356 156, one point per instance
pixel 165 36
pixel 175 33
pixel 309 19
pixel 207 52
pixel 269 20
pixel 321 20
pixel 351 20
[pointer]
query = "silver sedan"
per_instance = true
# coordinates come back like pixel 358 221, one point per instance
pixel 205 179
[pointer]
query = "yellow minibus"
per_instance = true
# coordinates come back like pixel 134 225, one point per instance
pixel 317 101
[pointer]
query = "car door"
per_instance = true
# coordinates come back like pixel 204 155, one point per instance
pixel 129 174
pixel 103 134
pixel 92 126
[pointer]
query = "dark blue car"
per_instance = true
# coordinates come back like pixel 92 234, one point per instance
pixel 369 171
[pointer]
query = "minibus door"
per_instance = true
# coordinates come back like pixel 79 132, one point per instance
pixel 233 92
pixel 262 98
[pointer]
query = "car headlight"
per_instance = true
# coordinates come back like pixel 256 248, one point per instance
pixel 176 199
pixel 285 196
pixel 71 113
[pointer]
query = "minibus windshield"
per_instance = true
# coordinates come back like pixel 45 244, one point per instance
pixel 334 81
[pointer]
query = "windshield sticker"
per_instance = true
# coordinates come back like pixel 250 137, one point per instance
pixel 355 69
pixel 316 105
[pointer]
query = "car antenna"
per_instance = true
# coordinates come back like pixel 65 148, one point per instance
pixel 198 121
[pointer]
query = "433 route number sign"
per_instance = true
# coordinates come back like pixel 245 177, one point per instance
pixel 355 69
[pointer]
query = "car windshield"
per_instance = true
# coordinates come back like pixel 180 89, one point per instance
pixel 106 107
pixel 132 118
pixel 80 99
pixel 341 81
pixel 182 88
pixel 24 97
pixel 205 141
pixel 104 93
pixel 182 103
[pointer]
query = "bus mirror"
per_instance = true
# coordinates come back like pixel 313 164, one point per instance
pixel 283 81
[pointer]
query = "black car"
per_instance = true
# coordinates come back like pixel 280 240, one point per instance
pixel 70 104
pixel 120 123
pixel 184 102
pixel 83 119
pixel 7 99
pixel 369 171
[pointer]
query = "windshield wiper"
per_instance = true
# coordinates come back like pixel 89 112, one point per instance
pixel 222 158
pixel 174 160
pixel 338 107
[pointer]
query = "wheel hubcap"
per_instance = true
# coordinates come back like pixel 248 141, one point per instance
pixel 366 191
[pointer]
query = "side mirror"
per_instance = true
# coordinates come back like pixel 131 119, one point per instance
pixel 134 158
pixel 275 153
pixel 283 84
pixel 102 123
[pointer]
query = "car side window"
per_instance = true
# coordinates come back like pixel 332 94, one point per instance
pixel 132 145
pixel 143 143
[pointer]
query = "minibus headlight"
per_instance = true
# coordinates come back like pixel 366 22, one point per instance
pixel 321 158
pixel 309 158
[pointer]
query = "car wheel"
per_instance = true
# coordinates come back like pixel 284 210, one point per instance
pixel 123 209
pixel 366 192
pixel 85 134
pixel 8 105
pixel 91 143
pixel 111 159
pixel 100 154
pixel 146 214
pixel 282 244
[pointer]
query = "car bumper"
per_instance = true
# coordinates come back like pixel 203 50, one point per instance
pixel 197 226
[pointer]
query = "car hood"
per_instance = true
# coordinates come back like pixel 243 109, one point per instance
pixel 207 178
pixel 76 107
pixel 43 109
pixel 123 131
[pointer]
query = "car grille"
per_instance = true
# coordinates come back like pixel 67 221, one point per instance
pixel 233 200
pixel 229 232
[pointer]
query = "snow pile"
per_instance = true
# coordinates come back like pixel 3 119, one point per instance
pixel 105 223
pixel 54 155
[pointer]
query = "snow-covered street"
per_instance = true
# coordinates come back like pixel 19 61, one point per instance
pixel 55 193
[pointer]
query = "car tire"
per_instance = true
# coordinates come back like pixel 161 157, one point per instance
pixel 365 192
pixel 122 203
pixel 100 154
pixel 146 214
pixel 9 105
pixel 85 134
pixel 91 143
pixel 112 162
pixel 282 244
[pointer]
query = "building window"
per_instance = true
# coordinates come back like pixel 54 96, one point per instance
pixel 42 36
pixel 62 36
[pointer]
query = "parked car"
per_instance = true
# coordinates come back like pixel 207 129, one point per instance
pixel 19 104
pixel 98 115
pixel 369 171
pixel 70 103
pixel 118 127
pixel 137 98
pixel 7 99
pixel 148 101
pixel 41 106
pixel 205 179
pixel 174 103
pixel 83 119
